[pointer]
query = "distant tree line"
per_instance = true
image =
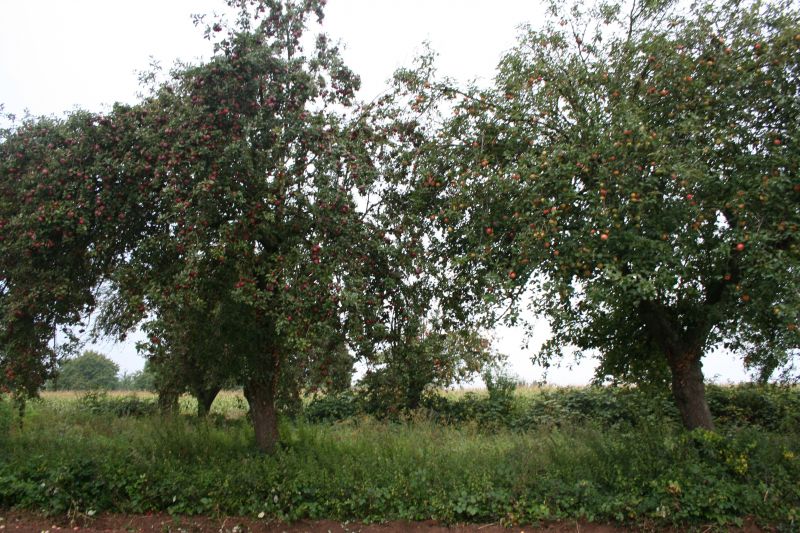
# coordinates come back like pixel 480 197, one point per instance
pixel 94 371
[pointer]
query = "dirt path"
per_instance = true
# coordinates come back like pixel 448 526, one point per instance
pixel 18 522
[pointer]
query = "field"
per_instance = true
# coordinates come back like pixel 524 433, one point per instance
pixel 532 456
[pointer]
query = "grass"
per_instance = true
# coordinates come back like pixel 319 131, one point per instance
pixel 229 403
pixel 71 457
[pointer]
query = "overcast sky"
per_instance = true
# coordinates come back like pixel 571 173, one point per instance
pixel 56 55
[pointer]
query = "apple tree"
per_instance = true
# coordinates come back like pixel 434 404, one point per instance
pixel 635 166
pixel 66 216
pixel 267 218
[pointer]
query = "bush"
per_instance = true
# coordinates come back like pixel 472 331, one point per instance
pixel 333 407
pixel 501 388
pixel 140 380
pixel 772 407
pixel 767 406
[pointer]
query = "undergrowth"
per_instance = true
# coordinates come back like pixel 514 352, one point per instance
pixel 555 455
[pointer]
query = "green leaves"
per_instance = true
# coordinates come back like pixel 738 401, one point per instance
pixel 89 371
pixel 631 160
pixel 255 216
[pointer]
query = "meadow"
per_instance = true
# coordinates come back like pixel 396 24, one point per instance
pixel 520 456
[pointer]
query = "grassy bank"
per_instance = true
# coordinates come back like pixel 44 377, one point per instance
pixel 86 455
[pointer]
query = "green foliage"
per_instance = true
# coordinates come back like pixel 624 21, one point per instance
pixel 139 380
pixel 328 370
pixel 652 475
pixel 66 215
pixel 89 371
pixel 260 175
pixel 770 407
pixel 334 407
pixel 6 415
pixel 222 210
pixel 420 360
pixel 100 403
pixel 636 166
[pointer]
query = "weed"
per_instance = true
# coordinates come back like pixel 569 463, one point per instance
pixel 594 454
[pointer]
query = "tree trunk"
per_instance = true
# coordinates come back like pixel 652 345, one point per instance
pixel 689 391
pixel 682 345
pixel 414 392
pixel 168 402
pixel 260 394
pixel 205 398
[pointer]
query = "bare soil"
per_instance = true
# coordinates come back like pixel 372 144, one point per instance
pixel 19 522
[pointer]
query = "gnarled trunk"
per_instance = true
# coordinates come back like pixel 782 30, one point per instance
pixel 205 398
pixel 682 347
pixel 260 394
pixel 689 391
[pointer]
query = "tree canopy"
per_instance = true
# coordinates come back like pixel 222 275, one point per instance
pixel 636 166
pixel 66 215
pixel 264 245
pixel 89 371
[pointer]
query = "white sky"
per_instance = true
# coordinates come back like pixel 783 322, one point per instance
pixel 56 55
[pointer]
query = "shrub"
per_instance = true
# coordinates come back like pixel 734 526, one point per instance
pixel 333 407
pixel 772 407
pixel 767 406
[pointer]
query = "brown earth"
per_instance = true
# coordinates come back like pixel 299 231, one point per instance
pixel 19 522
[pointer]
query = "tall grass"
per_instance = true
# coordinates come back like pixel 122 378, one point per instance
pixel 66 459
